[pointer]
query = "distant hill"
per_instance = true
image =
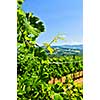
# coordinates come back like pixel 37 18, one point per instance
pixel 64 50
pixel 69 46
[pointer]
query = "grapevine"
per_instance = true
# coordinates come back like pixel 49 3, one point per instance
pixel 38 77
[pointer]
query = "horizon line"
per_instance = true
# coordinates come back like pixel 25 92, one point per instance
pixel 63 44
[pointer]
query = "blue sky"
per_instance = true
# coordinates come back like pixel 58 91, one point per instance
pixel 59 16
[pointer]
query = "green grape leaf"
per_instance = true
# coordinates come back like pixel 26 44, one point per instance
pixel 50 49
pixel 58 97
